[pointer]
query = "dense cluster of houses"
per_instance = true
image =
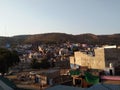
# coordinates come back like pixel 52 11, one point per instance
pixel 63 58
pixel 54 53
pixel 60 55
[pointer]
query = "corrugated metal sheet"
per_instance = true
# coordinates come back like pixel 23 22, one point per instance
pixel 104 87
pixel 62 87
pixel 6 83
pixel 1 88
pixel 95 87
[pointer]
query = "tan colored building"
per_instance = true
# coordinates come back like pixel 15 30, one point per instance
pixel 100 60
pixel 47 76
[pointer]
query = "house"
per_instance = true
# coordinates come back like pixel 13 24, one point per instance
pixel 47 76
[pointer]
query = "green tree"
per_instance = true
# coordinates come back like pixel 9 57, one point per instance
pixel 35 64
pixel 7 59
pixel 42 63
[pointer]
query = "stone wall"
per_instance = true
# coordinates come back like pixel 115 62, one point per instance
pixel 93 62
pixel 101 59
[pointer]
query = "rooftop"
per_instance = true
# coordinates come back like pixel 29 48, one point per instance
pixel 94 87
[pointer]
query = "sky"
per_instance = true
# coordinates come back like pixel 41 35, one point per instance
pixel 21 17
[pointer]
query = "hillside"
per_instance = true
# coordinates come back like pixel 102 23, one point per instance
pixel 61 37
pixel 50 37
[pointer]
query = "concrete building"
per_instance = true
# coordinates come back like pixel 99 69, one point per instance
pixel 47 76
pixel 102 58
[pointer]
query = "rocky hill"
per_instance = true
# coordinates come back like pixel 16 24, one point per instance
pixel 61 37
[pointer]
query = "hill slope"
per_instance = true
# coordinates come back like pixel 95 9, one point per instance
pixel 62 37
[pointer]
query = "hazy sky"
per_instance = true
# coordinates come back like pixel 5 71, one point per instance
pixel 66 16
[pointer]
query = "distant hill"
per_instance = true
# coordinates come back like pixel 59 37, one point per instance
pixel 61 37
pixel 50 37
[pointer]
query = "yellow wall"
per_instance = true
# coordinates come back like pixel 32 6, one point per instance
pixel 94 62
pixel 72 60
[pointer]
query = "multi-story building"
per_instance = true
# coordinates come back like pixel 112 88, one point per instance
pixel 100 58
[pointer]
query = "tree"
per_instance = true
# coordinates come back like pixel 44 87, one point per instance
pixel 43 63
pixel 7 59
pixel 35 64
